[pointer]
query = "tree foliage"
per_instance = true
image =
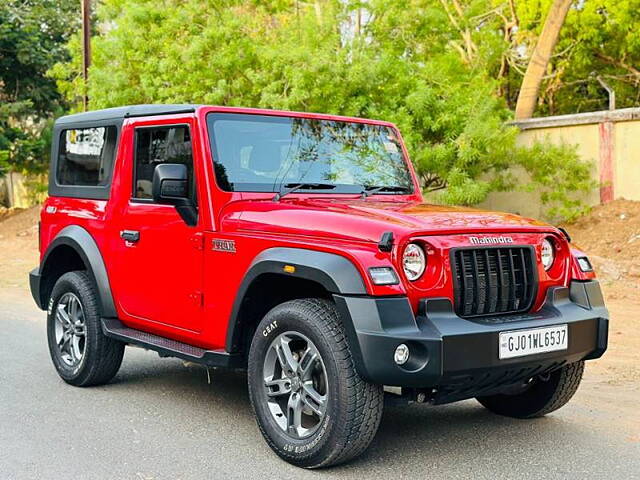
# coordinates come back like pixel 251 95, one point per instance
pixel 33 37
pixel 424 65
pixel 598 38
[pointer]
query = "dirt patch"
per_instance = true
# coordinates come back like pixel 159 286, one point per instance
pixel 7 212
pixel 19 222
pixel 610 234
pixel 611 231
pixel 18 247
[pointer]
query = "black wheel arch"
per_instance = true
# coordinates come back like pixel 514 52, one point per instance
pixel 74 248
pixel 266 284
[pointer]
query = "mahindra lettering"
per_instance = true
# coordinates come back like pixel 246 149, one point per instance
pixel 297 246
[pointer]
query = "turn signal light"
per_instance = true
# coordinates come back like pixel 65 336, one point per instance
pixel 383 276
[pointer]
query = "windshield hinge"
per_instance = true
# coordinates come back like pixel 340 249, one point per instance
pixel 386 242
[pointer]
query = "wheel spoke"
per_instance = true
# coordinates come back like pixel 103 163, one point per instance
pixel 285 356
pixel 62 316
pixel 64 342
pixel 277 387
pixel 307 362
pixel 73 310
pixel 74 349
pixel 294 414
pixel 313 399
pixel 79 330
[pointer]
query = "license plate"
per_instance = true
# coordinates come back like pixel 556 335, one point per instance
pixel 518 343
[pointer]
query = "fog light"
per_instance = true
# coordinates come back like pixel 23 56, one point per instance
pixel 585 264
pixel 401 356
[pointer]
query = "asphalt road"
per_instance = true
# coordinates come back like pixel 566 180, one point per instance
pixel 160 419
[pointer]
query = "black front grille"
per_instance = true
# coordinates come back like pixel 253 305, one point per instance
pixel 490 280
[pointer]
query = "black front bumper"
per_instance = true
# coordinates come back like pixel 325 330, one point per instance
pixel 457 358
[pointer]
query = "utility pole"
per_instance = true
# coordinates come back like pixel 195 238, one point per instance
pixel 86 49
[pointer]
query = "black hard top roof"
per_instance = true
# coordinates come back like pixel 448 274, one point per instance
pixel 127 111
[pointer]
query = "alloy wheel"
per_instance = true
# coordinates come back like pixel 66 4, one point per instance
pixel 70 329
pixel 295 381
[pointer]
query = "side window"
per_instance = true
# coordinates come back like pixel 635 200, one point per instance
pixel 158 145
pixel 85 156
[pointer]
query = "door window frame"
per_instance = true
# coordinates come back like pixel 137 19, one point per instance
pixel 134 172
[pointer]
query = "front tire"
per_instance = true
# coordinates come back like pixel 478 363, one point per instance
pixel 311 405
pixel 543 395
pixel 81 353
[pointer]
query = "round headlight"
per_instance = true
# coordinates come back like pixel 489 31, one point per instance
pixel 414 261
pixel 548 254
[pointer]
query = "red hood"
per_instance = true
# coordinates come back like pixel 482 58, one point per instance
pixel 366 220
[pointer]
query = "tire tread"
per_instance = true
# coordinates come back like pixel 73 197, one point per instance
pixel 364 404
pixel 105 355
pixel 536 403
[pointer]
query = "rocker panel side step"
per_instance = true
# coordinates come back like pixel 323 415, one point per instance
pixel 166 347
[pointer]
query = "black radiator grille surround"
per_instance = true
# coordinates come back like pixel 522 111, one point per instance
pixel 493 280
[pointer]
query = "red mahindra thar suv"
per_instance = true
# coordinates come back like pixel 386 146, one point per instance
pixel 298 246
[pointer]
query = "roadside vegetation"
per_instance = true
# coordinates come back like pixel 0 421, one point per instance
pixel 33 38
pixel 448 72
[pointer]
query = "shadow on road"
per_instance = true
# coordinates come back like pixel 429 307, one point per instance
pixel 415 438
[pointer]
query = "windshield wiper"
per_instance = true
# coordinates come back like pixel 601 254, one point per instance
pixel 371 189
pixel 292 187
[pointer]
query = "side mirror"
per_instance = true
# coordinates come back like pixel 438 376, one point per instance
pixel 170 184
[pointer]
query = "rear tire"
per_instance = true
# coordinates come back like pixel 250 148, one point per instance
pixel 344 419
pixel 81 353
pixel 543 396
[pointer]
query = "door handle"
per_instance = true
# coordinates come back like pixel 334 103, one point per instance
pixel 130 235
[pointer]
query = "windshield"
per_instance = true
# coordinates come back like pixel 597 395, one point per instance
pixel 262 153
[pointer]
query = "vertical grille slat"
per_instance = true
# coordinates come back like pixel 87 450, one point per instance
pixel 525 280
pixel 504 283
pixel 513 299
pixel 480 288
pixel 490 281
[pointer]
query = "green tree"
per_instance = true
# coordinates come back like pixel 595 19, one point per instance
pixel 33 37
pixel 598 38
pixel 404 60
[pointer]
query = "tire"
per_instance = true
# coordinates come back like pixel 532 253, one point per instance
pixel 82 355
pixel 543 396
pixel 351 409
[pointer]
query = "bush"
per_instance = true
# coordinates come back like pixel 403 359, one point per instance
pixel 279 54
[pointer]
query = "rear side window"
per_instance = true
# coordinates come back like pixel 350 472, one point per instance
pixel 158 145
pixel 85 156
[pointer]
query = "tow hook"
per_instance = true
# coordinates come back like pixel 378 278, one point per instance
pixel 397 396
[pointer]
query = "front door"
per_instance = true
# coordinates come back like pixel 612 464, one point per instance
pixel 160 259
